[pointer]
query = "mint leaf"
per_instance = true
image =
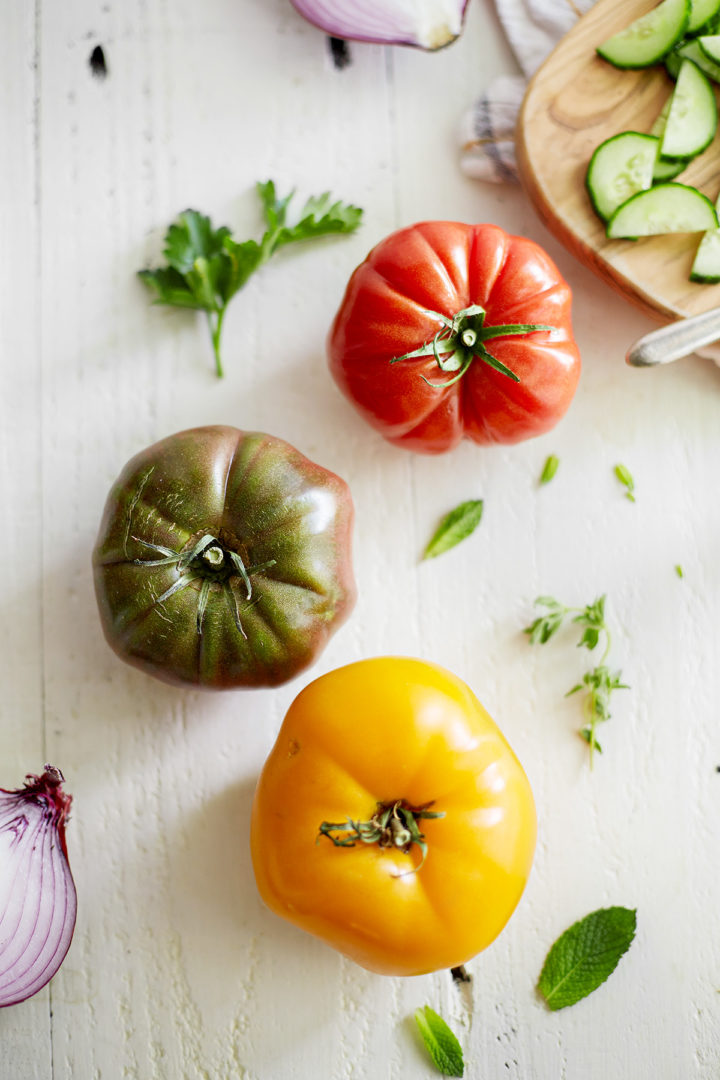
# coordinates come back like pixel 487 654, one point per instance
pixel 206 266
pixel 549 469
pixel 454 527
pixel 585 955
pixel 441 1044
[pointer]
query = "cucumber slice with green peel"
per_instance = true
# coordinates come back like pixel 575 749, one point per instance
pixel 692 50
pixel 710 45
pixel 692 120
pixel 665 168
pixel 620 167
pixel 658 127
pixel 706 267
pixel 646 40
pixel 701 12
pixel 666 208
pixel 673 60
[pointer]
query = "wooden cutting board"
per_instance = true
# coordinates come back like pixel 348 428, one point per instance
pixel 574 102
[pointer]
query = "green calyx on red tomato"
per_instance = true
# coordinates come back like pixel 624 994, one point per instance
pixel 223 559
pixel 479 283
pixel 462 339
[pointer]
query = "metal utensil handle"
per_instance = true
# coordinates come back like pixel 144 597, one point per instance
pixel 675 340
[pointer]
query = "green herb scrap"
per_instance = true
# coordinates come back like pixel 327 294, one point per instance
pixel 206 267
pixel 625 477
pixel 585 955
pixel 549 469
pixel 454 527
pixel 599 682
pixel 679 570
pixel 441 1044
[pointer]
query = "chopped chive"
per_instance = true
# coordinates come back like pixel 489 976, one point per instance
pixel 549 469
pixel 625 477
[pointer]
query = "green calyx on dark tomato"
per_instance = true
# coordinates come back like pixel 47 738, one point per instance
pixel 223 559
pixel 478 283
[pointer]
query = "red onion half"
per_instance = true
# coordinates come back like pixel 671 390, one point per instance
pixel 429 24
pixel 38 903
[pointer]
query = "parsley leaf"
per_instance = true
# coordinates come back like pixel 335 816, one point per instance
pixel 454 527
pixel 585 955
pixel 206 266
pixel 441 1044
pixel 599 682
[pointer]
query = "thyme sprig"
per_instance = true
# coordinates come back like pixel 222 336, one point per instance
pixel 600 681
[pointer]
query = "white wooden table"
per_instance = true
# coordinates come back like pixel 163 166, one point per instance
pixel 176 970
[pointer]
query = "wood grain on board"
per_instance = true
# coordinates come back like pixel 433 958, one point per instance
pixel 576 101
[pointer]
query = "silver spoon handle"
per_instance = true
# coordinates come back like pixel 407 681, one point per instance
pixel 675 340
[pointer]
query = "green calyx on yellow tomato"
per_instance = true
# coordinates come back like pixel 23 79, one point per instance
pixel 223 559
pixel 386 757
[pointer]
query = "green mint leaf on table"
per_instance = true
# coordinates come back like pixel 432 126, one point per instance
pixel 441 1044
pixel 206 266
pixel 625 477
pixel 454 527
pixel 679 570
pixel 585 955
pixel 599 682
pixel 549 469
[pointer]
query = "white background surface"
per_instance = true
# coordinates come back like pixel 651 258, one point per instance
pixel 176 969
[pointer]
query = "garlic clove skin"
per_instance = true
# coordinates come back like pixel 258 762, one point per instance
pixel 426 24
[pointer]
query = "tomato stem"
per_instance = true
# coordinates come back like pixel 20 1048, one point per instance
pixel 393 825
pixel 460 341
pixel 208 562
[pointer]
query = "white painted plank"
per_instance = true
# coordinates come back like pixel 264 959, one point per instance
pixel 25 1030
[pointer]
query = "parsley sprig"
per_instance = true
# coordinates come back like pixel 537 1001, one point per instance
pixel 600 681
pixel 206 266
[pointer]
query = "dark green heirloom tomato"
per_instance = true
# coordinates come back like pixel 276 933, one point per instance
pixel 223 559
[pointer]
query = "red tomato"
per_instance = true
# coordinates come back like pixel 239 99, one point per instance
pixel 444 289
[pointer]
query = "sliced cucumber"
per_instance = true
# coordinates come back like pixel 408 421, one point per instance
pixel 665 168
pixel 706 267
pixel 710 45
pixel 667 208
pixel 673 60
pixel 692 119
pixel 646 40
pixel 620 167
pixel 692 50
pixel 701 12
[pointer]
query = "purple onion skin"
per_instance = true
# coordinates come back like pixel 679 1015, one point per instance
pixel 41 904
pixel 321 13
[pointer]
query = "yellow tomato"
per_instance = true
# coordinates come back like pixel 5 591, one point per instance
pixel 392 819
